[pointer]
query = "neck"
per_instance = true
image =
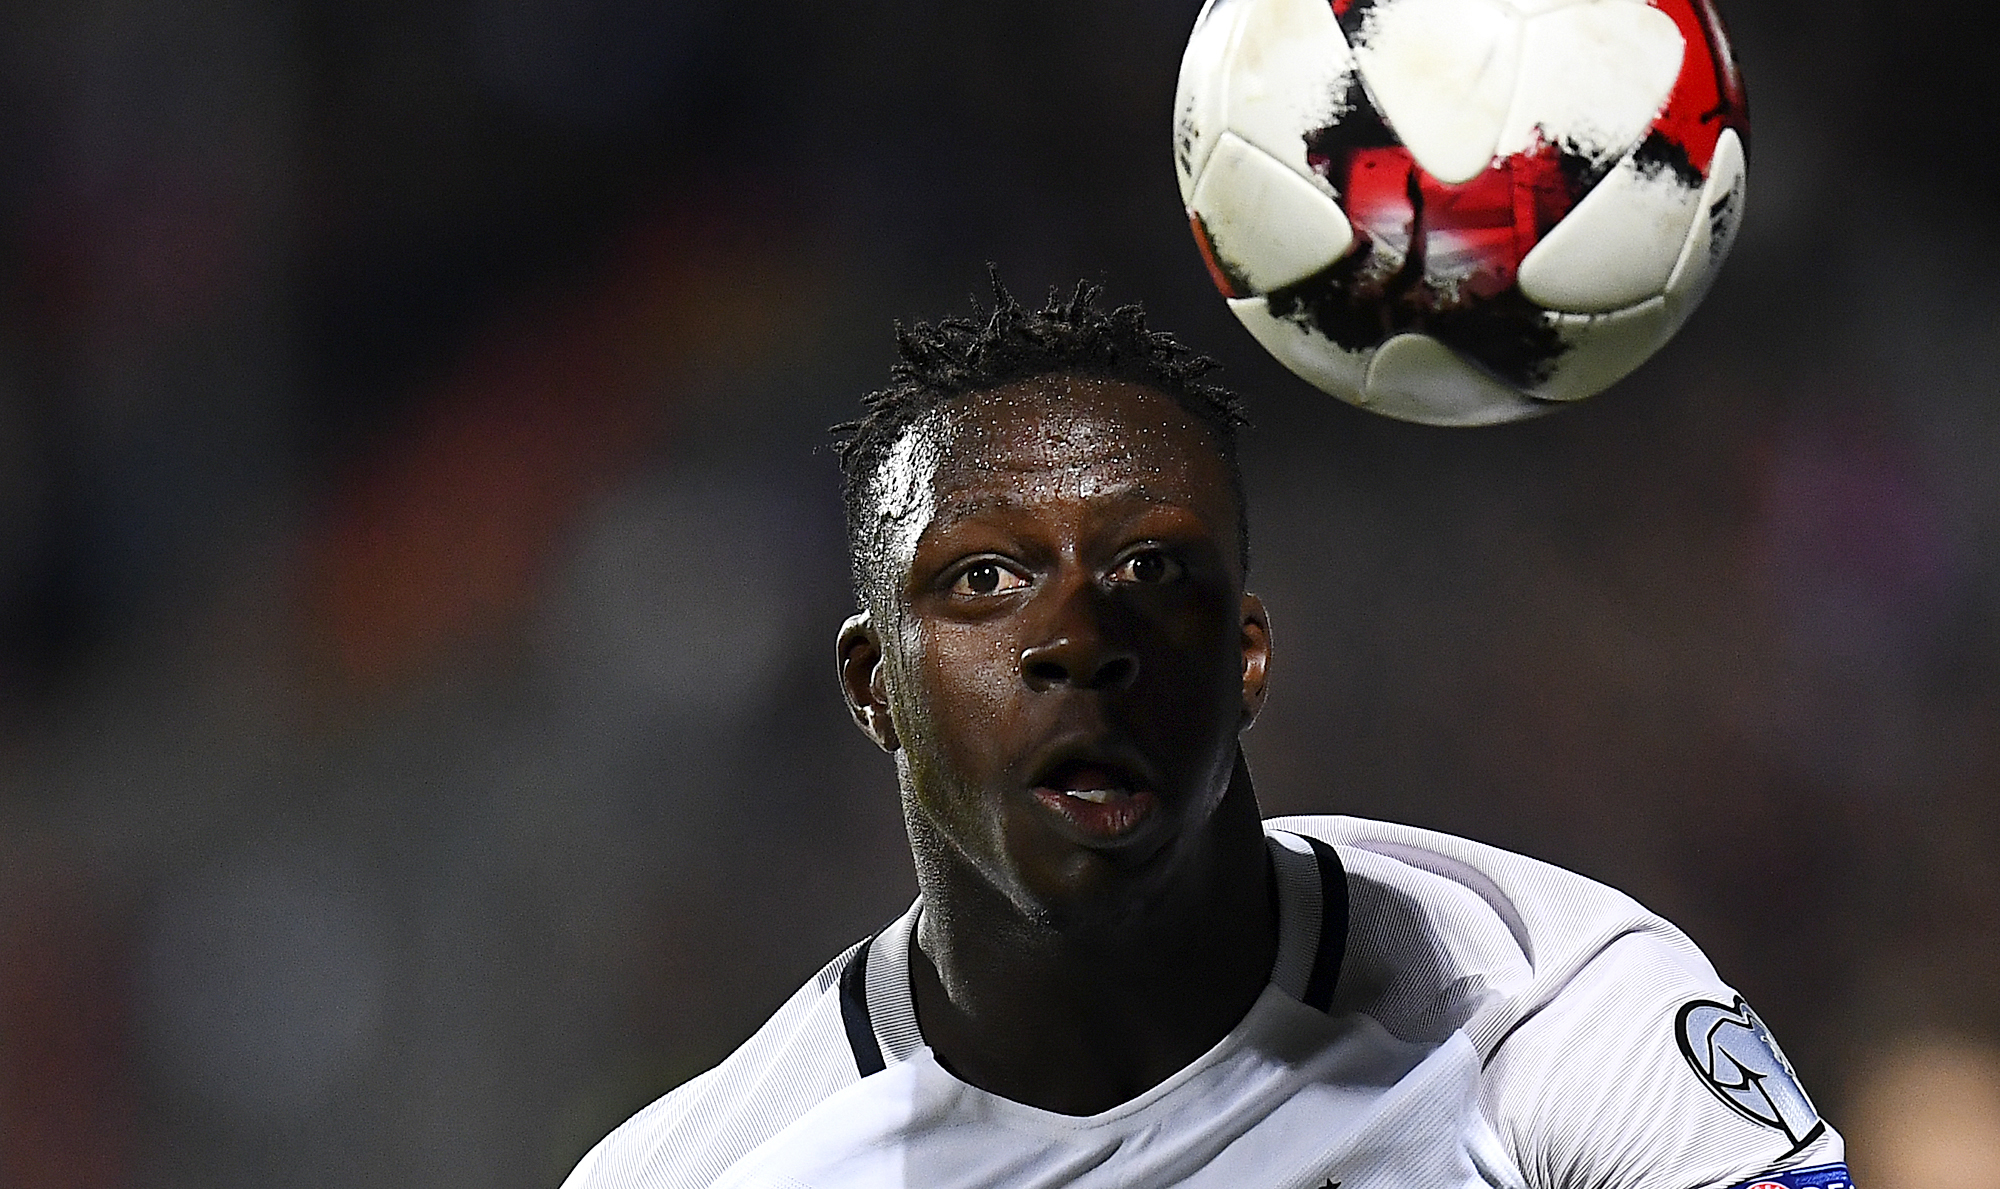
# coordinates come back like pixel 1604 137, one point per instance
pixel 1077 1017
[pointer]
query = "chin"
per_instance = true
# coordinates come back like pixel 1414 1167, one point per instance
pixel 1091 892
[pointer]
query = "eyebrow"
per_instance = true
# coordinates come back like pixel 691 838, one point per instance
pixel 958 511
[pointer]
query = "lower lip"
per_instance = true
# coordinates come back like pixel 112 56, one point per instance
pixel 1107 821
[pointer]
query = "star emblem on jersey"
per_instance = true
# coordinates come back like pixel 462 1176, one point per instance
pixel 1734 1055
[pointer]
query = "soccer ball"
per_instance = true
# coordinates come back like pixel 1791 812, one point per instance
pixel 1461 212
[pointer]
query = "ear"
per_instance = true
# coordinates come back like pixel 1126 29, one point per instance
pixel 859 650
pixel 1256 657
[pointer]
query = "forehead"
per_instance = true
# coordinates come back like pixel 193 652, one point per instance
pixel 1051 445
pixel 1065 424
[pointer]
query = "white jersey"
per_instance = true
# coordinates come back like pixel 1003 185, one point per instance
pixel 1440 1014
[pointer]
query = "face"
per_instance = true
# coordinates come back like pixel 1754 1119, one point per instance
pixel 1059 650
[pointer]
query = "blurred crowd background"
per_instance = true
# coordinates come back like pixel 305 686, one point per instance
pixel 420 560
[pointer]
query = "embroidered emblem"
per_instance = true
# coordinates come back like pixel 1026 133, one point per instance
pixel 1733 1054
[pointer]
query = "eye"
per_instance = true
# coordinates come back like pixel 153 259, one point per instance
pixel 985 577
pixel 1148 566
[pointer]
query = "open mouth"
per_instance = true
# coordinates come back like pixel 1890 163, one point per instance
pixel 1099 799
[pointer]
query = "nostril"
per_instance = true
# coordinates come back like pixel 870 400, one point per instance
pixel 1085 666
pixel 1116 673
pixel 1045 672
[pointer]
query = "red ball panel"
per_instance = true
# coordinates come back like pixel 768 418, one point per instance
pixel 1468 239
pixel 1708 96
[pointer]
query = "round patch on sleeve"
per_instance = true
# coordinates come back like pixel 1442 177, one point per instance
pixel 1734 1055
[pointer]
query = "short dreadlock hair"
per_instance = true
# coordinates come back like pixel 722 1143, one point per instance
pixel 1004 343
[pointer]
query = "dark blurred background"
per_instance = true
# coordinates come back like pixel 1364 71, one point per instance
pixel 419 557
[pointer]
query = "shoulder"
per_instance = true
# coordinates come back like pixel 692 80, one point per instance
pixel 690 1135
pixel 1446 933
pixel 1613 1054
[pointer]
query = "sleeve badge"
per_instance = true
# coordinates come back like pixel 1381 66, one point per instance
pixel 1734 1055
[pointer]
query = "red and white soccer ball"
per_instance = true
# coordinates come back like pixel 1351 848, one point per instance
pixel 1461 212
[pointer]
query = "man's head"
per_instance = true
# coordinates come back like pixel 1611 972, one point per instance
pixel 1056 646
pixel 999 345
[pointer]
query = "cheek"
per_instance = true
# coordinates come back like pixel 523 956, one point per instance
pixel 954 689
pixel 1199 688
pixel 1201 638
pixel 968 682
pixel 957 744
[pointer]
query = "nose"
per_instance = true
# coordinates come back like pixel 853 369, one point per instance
pixel 1077 653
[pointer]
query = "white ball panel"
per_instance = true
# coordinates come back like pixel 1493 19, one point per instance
pixel 1416 378
pixel 1310 357
pixel 1603 348
pixel 1617 247
pixel 1593 76
pixel 1268 224
pixel 1719 215
pixel 1443 74
pixel 1289 71
pixel 1529 8
pixel 1199 113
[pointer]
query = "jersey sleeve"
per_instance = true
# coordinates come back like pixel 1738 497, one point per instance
pixel 1646 1072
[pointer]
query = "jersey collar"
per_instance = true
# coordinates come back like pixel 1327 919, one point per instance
pixel 880 1015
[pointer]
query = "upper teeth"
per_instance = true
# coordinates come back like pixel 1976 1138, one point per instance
pixel 1095 796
